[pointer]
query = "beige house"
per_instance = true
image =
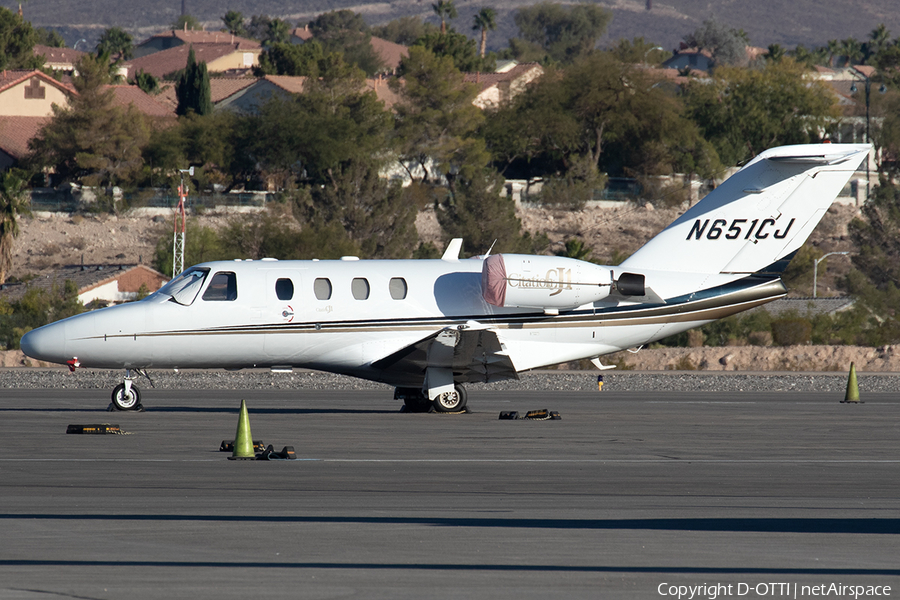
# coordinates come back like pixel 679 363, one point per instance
pixel 31 94
pixel 219 58
pixel 496 89
pixel 103 284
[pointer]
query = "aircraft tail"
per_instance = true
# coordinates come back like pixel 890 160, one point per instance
pixel 759 217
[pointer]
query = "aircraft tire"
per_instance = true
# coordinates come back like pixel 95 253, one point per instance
pixel 129 402
pixel 454 401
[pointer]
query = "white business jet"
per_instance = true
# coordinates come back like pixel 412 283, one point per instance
pixel 427 327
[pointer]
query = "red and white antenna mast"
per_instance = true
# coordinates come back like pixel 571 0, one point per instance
pixel 178 242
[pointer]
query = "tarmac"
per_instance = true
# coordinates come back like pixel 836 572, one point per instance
pixel 629 495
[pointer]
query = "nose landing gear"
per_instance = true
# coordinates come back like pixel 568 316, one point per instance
pixel 126 395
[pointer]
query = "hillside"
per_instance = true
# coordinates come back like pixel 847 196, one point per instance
pixel 808 22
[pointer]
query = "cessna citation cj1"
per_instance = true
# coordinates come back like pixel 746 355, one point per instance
pixel 429 326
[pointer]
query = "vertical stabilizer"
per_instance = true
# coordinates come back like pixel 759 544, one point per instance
pixel 760 215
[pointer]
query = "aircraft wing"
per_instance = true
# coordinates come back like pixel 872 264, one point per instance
pixel 473 351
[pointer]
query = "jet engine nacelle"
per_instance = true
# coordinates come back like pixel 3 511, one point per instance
pixel 546 282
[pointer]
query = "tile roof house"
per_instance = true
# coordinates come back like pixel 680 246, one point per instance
pixel 106 283
pixel 250 98
pixel 177 37
pixel 390 54
pixel 497 89
pixel 26 105
pixel 15 132
pixel 219 58
pixel 58 59
pixel 31 94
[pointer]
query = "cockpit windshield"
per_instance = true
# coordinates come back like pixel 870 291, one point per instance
pixel 184 288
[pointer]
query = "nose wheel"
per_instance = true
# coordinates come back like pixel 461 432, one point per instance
pixel 126 399
pixel 126 395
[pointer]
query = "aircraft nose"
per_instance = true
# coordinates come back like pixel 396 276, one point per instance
pixel 47 343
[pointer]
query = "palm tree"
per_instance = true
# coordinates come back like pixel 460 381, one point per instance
pixel 851 49
pixel 13 202
pixel 485 19
pixel 879 38
pixel 834 49
pixel 444 9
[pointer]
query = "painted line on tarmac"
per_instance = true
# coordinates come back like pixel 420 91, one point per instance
pixel 489 460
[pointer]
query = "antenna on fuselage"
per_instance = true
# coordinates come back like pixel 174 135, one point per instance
pixel 494 243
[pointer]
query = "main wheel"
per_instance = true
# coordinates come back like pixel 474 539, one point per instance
pixel 123 401
pixel 453 401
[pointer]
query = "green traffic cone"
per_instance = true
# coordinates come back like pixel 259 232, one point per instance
pixel 243 440
pixel 852 394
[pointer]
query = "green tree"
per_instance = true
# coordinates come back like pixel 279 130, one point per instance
pixel 877 261
pixel 639 51
pixel 370 210
pixel 743 112
pixel 444 9
pixel 277 32
pixel 485 20
pixel 296 60
pixel 258 27
pixel 187 23
pixel 49 37
pixel 879 38
pixel 116 42
pixel 852 51
pixel 234 23
pixel 36 308
pixel 193 89
pixel 476 212
pixel 727 45
pixel 14 201
pixel 775 53
pixel 346 32
pixel 459 47
pixel 92 141
pixel 147 82
pixel 435 119
pixel 405 30
pixel 561 32
pixel 313 137
pixel 17 39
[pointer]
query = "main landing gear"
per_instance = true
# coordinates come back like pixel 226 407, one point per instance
pixel 126 395
pixel 415 399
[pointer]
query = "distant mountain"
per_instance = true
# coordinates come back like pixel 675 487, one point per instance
pixel 808 22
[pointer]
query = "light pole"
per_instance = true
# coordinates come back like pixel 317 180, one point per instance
pixel 882 90
pixel 75 47
pixel 816 269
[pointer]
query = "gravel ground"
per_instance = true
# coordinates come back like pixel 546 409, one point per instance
pixel 672 381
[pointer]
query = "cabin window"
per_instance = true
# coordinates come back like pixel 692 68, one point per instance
pixel 222 287
pixel 398 288
pixel 284 289
pixel 184 288
pixel 360 288
pixel 322 288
